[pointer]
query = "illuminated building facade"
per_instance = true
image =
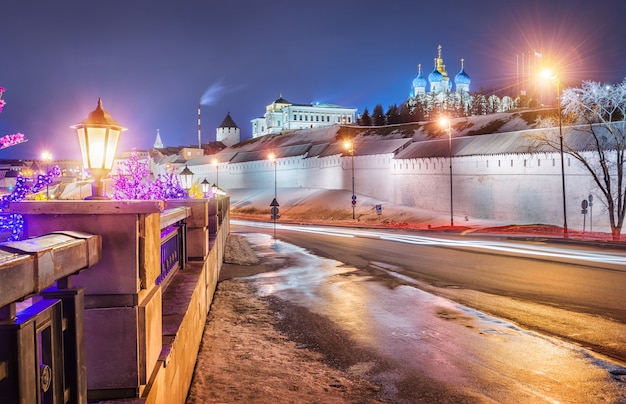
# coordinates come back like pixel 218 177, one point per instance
pixel 282 115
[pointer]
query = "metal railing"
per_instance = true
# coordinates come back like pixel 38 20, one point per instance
pixel 173 243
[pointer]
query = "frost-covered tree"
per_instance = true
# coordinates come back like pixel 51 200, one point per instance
pixel 508 103
pixel 599 110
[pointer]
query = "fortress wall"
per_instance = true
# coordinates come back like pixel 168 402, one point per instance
pixel 517 188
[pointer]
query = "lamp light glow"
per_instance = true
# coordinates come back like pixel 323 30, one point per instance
pixel 98 137
pixel 186 177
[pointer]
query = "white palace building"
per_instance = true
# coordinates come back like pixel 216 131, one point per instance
pixel 282 115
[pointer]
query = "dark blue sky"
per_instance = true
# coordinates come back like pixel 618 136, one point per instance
pixel 151 61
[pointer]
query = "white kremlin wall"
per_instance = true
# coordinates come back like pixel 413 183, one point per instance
pixel 490 181
pixel 515 188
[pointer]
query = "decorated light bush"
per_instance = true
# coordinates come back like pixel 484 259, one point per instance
pixel 133 182
pixel 11 225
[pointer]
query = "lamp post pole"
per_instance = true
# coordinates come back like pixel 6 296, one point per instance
pixel 353 196
pixel 558 103
pixel 275 181
pixel 274 205
pixel 46 156
pixel 350 147
pixel 450 153
pixel 217 172
pixel 445 122
pixel 275 215
pixel 547 74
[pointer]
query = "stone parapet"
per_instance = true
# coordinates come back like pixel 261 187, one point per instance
pixel 141 341
pixel 123 310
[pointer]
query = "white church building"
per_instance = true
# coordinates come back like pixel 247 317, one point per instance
pixel 282 115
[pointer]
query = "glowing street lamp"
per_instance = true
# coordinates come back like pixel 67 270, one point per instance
pixel 444 122
pixel 549 75
pixel 98 137
pixel 206 186
pixel 186 178
pixel 349 146
pixel 47 157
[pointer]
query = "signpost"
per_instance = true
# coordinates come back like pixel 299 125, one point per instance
pixel 274 211
pixel 590 213
pixel 584 205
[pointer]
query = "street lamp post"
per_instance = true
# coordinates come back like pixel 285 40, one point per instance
pixel 445 122
pixel 274 205
pixel 217 172
pixel 349 146
pixel 98 137
pixel 557 81
pixel 47 156
pixel 206 186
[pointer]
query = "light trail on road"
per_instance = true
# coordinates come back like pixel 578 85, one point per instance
pixel 509 247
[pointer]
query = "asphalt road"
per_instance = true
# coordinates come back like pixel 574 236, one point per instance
pixel 571 291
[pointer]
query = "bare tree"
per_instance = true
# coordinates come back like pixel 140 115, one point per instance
pixel 598 141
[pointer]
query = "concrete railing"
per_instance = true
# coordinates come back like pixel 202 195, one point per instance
pixel 42 356
pixel 142 323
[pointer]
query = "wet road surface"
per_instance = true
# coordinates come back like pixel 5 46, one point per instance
pixel 425 348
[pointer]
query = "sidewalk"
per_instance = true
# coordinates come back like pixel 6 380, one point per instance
pixel 244 357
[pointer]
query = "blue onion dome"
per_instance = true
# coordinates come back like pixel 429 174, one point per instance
pixel 462 77
pixel 435 76
pixel 419 81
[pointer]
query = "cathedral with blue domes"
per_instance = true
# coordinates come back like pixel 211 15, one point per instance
pixel 439 80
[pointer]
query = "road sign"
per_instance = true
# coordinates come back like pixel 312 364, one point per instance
pixel 274 202
pixel 379 210
pixel 353 203
pixel 354 197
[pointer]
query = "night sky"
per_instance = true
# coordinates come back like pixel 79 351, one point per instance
pixel 153 61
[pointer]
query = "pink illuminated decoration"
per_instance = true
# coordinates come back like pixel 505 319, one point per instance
pixel 133 183
pixel 9 140
pixel 12 225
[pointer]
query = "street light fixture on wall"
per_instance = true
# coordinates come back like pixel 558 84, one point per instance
pixel 349 146
pixel 548 74
pixel 98 137
pixel 445 123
